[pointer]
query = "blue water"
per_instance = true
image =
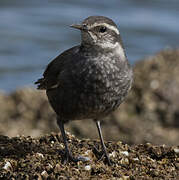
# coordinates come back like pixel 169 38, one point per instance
pixel 33 32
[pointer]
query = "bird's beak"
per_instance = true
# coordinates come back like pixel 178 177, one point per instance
pixel 81 27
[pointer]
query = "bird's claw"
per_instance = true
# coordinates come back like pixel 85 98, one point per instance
pixel 103 155
pixel 69 158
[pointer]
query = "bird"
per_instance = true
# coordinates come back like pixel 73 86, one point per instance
pixel 90 80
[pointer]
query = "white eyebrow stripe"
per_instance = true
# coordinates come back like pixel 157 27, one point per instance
pixel 113 28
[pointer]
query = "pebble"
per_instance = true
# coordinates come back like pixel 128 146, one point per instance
pixel 136 159
pixel 57 168
pixel 124 161
pixel 124 178
pixel 44 174
pixel 154 84
pixel 176 150
pixel 88 152
pixel 83 158
pixel 88 168
pixel 7 166
pixel 49 167
pixel 125 153
pixel 40 155
pixel 113 154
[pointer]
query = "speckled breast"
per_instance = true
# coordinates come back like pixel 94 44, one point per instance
pixel 94 90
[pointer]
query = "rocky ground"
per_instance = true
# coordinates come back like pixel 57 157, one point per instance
pixel 150 114
pixel 42 158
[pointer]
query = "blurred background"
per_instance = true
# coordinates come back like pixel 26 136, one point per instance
pixel 33 32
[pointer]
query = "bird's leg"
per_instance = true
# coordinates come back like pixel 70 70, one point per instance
pixel 68 155
pixel 102 142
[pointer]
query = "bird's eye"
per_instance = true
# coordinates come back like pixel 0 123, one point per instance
pixel 102 29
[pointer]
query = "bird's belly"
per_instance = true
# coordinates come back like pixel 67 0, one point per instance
pixel 73 104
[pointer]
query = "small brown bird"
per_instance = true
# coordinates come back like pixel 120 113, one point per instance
pixel 88 81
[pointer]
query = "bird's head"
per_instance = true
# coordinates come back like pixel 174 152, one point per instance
pixel 99 31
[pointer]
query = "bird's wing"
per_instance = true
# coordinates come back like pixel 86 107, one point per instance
pixel 51 74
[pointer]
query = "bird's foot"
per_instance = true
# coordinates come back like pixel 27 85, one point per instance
pixel 69 158
pixel 103 154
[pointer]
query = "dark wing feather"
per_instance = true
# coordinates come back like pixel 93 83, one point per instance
pixel 40 83
pixel 53 70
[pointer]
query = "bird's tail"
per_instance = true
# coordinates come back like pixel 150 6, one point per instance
pixel 40 83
